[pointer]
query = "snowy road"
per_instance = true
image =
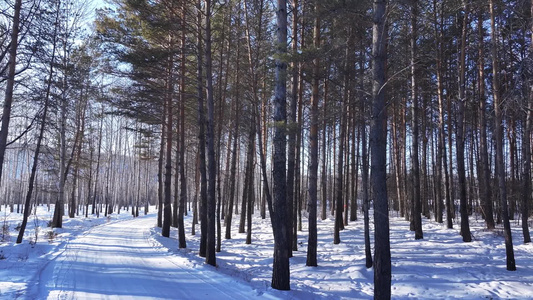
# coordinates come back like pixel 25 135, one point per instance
pixel 117 261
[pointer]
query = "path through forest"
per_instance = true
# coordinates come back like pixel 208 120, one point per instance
pixel 117 260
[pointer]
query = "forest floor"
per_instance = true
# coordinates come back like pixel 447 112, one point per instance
pixel 119 257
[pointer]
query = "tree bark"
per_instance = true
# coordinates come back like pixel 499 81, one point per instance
pixel 183 179
pixel 486 191
pixel 526 153
pixel 378 146
pixel 441 145
pixel 211 163
pixel 364 183
pixel 460 139
pixel 167 208
pixel 498 136
pixel 201 137
pixel 416 203
pixel 234 157
pixel 291 159
pixel 160 184
pixel 281 272
pixel 313 153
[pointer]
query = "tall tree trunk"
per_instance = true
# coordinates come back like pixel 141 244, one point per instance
pixel 27 206
pixel 324 171
pixel 299 162
pixel 160 185
pixel 234 156
pixel 511 134
pixel 313 154
pixel 8 99
pixel 498 135
pixel 526 153
pixel 90 181
pixel 441 145
pixel 416 204
pixel 77 149
pixel 365 187
pixel 167 208
pixel 355 160
pixel 201 137
pixel 248 198
pixel 97 170
pixel 175 196
pixel 246 187
pixel 233 169
pixel 183 179
pixel 59 209
pixel 378 146
pixel 222 85
pixel 292 132
pixel 211 163
pixel 526 177
pixel 355 170
pixel 460 139
pixel 339 203
pixel 281 272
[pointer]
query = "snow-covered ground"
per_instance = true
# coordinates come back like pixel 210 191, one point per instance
pixel 118 257
pixel 21 263
pixel 440 266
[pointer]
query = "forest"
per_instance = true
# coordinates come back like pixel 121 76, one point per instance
pixel 295 111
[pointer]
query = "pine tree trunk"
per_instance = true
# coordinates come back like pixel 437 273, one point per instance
pixel 183 178
pixel 201 137
pixel 526 177
pixel 313 155
pixel 250 190
pixel 291 159
pixel 167 208
pixel 234 157
pixel 233 171
pixel 324 171
pixel 365 187
pixel 339 202
pixel 484 181
pixel 526 154
pixel 281 272
pixel 378 146
pixel 416 204
pixel 59 209
pixel 160 186
pixel 97 170
pixel 441 145
pixel 460 139
pixel 211 163
pixel 498 135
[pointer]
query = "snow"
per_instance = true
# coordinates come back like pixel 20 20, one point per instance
pixel 21 263
pixel 124 258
